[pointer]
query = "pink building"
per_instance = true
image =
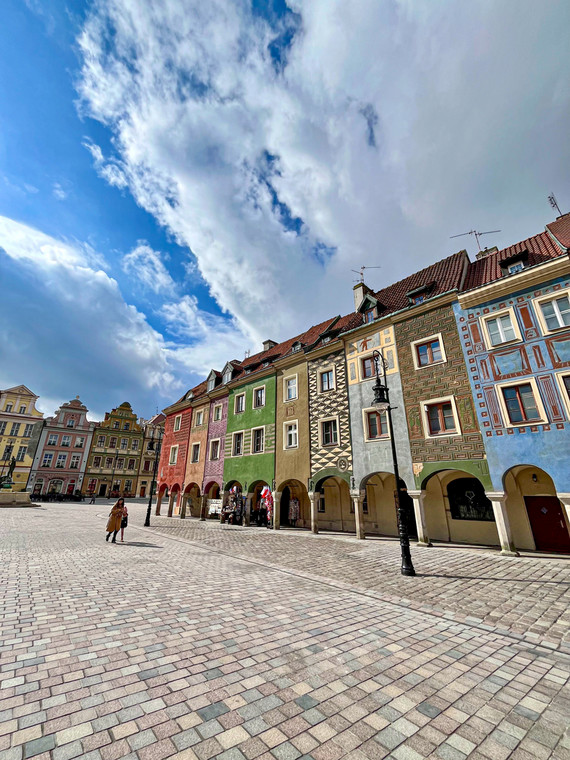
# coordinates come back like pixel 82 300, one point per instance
pixel 60 457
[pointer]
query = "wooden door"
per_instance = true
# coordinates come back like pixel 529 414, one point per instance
pixel 547 523
pixel 143 491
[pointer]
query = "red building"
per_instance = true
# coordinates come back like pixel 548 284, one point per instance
pixel 174 452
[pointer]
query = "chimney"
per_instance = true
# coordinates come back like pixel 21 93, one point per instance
pixel 267 344
pixel 486 252
pixel 359 290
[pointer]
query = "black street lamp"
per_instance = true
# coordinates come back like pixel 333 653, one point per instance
pixel 382 403
pixel 113 475
pixel 151 446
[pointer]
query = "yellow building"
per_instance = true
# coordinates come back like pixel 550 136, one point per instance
pixel 18 415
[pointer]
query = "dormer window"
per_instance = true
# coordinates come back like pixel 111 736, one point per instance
pixel 518 267
pixel 296 347
pixel 419 295
pixel 514 263
pixel 327 339
pixel 227 376
pixel 370 315
pixel 211 384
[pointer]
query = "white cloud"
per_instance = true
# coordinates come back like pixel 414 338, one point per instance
pixel 59 192
pixel 395 125
pixel 146 264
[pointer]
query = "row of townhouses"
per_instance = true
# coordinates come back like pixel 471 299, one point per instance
pixel 478 370
pixel 66 454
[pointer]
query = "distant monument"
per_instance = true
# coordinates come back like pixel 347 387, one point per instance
pixel 9 498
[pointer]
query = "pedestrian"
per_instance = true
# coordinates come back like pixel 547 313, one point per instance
pixel 115 519
pixel 92 497
pixel 124 521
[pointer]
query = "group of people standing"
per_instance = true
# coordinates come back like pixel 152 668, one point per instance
pixel 118 520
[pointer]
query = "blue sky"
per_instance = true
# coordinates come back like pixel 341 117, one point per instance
pixel 179 181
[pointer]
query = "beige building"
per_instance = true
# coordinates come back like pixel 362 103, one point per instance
pixel 18 415
pixel 153 430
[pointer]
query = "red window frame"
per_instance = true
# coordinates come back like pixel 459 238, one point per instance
pixel 381 422
pixel 441 418
pixel 429 345
pixel 368 368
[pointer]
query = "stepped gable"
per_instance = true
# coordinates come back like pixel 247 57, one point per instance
pixel 539 249
pixel 560 229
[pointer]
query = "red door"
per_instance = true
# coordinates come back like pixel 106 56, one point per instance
pixel 547 523
pixel 143 491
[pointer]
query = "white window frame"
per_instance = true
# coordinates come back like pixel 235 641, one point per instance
pixel 79 442
pixel 101 441
pixel 227 378
pixel 322 371
pixel 537 302
pixel 367 439
pixel 296 396
pixel 218 441
pixel 537 397
pixel 221 408
pixel 192 445
pixel 329 419
pixel 66 441
pixel 430 338
pixel 563 392
pixel 495 315
pixel 287 424
pixel 47 459
pixel 135 444
pixel 237 432
pixel 177 423
pixel 239 395
pixel 173 455
pixel 211 384
pixel 253 404
pixel 124 444
pixel 425 419
pixel 199 418
pixel 253 430
pixel 51 442
pixel 77 459
pixel 61 458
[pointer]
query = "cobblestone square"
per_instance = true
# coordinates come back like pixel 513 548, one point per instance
pixel 197 640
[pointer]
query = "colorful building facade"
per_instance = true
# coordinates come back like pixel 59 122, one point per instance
pixel 61 455
pixel 18 416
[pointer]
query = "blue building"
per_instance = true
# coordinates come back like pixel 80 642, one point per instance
pixel 513 317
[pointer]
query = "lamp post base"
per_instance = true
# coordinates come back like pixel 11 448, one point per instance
pixel 407 570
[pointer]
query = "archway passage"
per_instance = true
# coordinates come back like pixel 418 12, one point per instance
pixel 379 506
pixel 334 505
pixel 174 501
pixel 191 500
pixel 295 507
pixel 457 509
pixel 258 511
pixel 536 516
pixel 162 494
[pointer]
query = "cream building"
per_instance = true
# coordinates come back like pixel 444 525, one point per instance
pixel 18 415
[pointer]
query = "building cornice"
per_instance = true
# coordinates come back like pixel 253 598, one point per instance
pixel 535 275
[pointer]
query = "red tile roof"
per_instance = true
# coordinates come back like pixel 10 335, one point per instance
pixel 443 276
pixel 561 230
pixel 488 269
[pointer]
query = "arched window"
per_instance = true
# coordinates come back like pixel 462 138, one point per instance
pixel 467 500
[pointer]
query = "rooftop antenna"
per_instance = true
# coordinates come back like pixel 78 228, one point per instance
pixel 360 272
pixel 554 203
pixel 247 354
pixel 477 235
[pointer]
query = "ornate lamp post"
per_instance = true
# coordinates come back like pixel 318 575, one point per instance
pixel 152 446
pixel 382 403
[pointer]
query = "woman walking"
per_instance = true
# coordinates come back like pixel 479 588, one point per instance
pixel 115 519
pixel 124 521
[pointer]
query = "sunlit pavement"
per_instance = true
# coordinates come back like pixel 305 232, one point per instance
pixel 199 640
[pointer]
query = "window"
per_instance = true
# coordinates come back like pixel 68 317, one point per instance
pixel 520 403
pixel 96 461
pixel 52 439
pixel 211 384
pixel 295 347
pixel 173 455
pixel 376 425
pixel 177 422
pixel 22 410
pixel 135 444
pixel 237 444
pixel 556 312
pixel 195 453
pixel 369 315
pixel 199 418
pixel 8 451
pixel 291 435
pixel 227 376
pixel 441 418
pixel 428 351
pixel 124 443
pixel 563 379
pixel 61 460
pixel 9 407
pixel 290 388
pixel 259 397
pixel 70 422
pixel 127 426
pixel 108 462
pixel 367 367
pixel 47 460
pixel 75 460
pixel 146 466
pixel 2 428
pixel 321 502
pixel 467 500
pixel 239 403
pixel 66 440
pixel 120 463
pixel 116 425
pixel 217 413
pixel 326 381
pixel 215 449
pixel 15 428
pixel 131 464
pixel 21 453
pixel 258 440
pixel 112 443
pixel 501 328
pixel 79 442
pixel 91 485
pixel 128 485
pixel 100 440
pixel 329 433
pixel 517 267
